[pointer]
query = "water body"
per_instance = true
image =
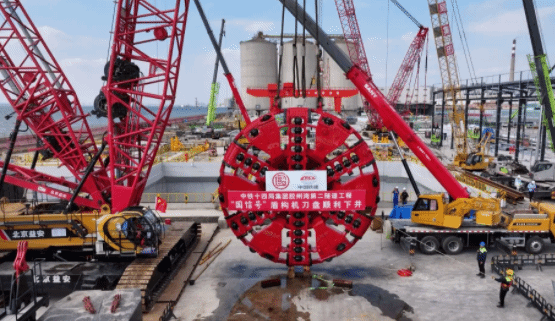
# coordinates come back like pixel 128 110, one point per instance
pixel 178 111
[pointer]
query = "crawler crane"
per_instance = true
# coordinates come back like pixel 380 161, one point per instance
pixel 100 217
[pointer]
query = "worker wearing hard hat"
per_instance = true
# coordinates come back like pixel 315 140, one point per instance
pixel 481 256
pixel 506 283
pixel 518 183
pixel 404 196
pixel 395 196
pixel 531 189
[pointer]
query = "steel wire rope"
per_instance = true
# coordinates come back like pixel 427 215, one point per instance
pixel 465 39
pixel 386 48
pixel 472 77
pixel 541 34
pixel 295 59
pixel 425 76
pixel 111 34
pixel 319 101
pixel 277 101
pixel 303 54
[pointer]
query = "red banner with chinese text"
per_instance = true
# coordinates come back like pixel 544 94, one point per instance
pixel 297 201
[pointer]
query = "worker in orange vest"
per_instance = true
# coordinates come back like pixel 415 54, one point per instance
pixel 506 283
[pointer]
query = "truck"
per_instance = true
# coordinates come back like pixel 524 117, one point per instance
pixel 436 224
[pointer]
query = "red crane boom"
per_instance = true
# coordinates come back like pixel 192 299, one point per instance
pixel 412 56
pixel 138 103
pixel 355 47
pixel 40 94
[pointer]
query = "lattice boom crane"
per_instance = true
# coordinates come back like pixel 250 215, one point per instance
pixel 412 56
pixel 449 74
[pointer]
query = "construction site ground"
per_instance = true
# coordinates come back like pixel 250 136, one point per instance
pixel 442 287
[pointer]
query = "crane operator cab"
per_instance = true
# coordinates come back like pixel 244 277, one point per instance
pixel 135 230
pixel 436 210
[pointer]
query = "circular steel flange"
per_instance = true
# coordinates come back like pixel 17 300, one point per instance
pixel 298 139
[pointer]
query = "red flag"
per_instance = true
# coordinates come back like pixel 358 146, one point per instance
pixel 161 204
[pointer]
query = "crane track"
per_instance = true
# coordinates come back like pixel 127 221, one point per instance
pixel 513 196
pixel 151 275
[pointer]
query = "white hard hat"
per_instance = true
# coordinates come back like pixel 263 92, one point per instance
pixel 396 187
pixel 404 188
pixel 518 176
pixel 533 182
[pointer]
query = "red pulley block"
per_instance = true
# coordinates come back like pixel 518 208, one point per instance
pixel 298 139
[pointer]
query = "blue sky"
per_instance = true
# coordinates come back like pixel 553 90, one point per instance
pixel 77 32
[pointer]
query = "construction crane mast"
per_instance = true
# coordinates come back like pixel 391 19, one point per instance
pixel 413 55
pixel 139 103
pixel 355 47
pixel 449 75
pixel 215 87
pixel 542 68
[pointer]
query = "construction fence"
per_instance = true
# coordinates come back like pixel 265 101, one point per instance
pixel 500 263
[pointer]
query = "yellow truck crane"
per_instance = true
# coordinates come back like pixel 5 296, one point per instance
pixel 438 224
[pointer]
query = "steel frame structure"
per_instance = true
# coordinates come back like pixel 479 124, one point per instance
pixel 520 91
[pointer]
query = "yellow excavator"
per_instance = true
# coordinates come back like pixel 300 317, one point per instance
pixel 479 160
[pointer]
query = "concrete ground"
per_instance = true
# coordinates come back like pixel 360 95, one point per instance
pixel 442 288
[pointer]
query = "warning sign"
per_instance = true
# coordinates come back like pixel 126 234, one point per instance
pixel 297 201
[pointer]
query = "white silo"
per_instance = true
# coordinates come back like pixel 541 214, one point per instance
pixel 337 80
pixel 310 71
pixel 258 69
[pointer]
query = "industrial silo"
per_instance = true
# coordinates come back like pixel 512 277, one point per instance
pixel 337 80
pixel 310 71
pixel 258 69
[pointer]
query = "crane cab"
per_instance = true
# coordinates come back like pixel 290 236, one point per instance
pixel 434 209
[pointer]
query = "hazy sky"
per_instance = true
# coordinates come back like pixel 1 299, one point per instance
pixel 77 32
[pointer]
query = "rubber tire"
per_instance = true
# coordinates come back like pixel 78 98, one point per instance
pixel 456 245
pixel 534 245
pixel 433 245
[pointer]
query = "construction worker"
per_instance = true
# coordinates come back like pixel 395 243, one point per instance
pixel 506 282
pixel 531 189
pixel 395 196
pixel 404 196
pixel 481 256
pixel 518 183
